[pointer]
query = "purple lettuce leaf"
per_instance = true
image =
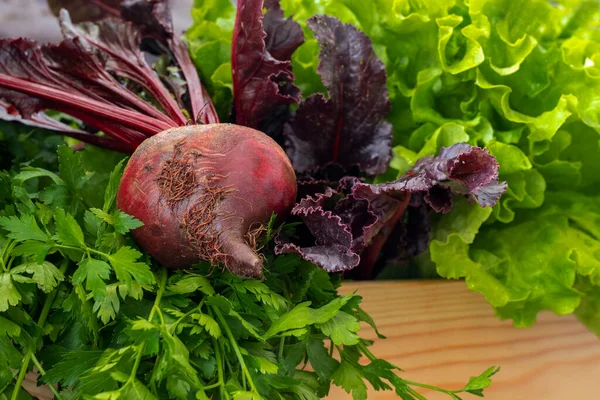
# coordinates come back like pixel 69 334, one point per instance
pixel 488 195
pixel 284 35
pixel 458 169
pixel 262 83
pixel 332 245
pixel 411 236
pixel 340 226
pixel 348 127
pixel 328 175
pixel 372 213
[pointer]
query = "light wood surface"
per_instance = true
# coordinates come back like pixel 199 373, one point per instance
pixel 441 333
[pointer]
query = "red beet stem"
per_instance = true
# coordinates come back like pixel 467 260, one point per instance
pixel 369 256
pixel 156 89
pixel 203 109
pixel 129 118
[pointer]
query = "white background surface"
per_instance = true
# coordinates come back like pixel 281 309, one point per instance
pixel 32 18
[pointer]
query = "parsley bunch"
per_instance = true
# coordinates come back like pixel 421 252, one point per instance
pixel 100 319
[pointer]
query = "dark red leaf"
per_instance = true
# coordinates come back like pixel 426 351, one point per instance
pixel 417 227
pixel 261 82
pixel 460 169
pixel 69 78
pixel 284 35
pixel 154 18
pixel 349 127
pixel 370 213
pixel 119 42
pixel 408 239
pixel 340 226
pixel 488 195
pixel 331 248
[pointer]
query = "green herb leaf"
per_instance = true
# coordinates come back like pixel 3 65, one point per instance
pixel 302 315
pixel 126 266
pixel 71 169
pixel 350 379
pixel 72 365
pixel 68 231
pixel 108 305
pixel 476 384
pixel 211 326
pixel 45 274
pixel 110 194
pixel 124 223
pixel 94 273
pixel 341 329
pixel 190 284
pixel 37 250
pixel 323 364
pixel 33 172
pixel 9 295
pixel 23 228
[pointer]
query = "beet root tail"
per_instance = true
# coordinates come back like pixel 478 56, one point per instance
pixel 241 259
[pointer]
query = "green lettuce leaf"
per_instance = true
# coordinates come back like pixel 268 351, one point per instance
pixel 588 311
pixel 209 39
pixel 521 79
pixel 533 264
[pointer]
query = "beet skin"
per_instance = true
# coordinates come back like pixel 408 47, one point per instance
pixel 206 192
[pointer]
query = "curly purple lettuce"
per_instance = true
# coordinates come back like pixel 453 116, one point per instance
pixel 348 127
pixel 349 224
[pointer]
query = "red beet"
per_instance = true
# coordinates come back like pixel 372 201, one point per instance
pixel 206 192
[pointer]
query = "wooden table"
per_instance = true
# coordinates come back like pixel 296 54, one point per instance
pixel 441 333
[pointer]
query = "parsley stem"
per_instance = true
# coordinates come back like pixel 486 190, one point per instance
pixel 85 250
pixel 88 310
pixel 41 322
pixel 213 386
pixel 281 344
pixel 162 284
pixel 366 351
pixel 415 394
pixel 9 245
pixel 372 358
pixel 38 365
pixel 21 378
pixel 220 367
pixel 187 314
pixel 437 389
pixel 236 349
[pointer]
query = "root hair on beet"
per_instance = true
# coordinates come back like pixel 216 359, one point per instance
pixel 197 221
pixel 255 235
pixel 177 179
